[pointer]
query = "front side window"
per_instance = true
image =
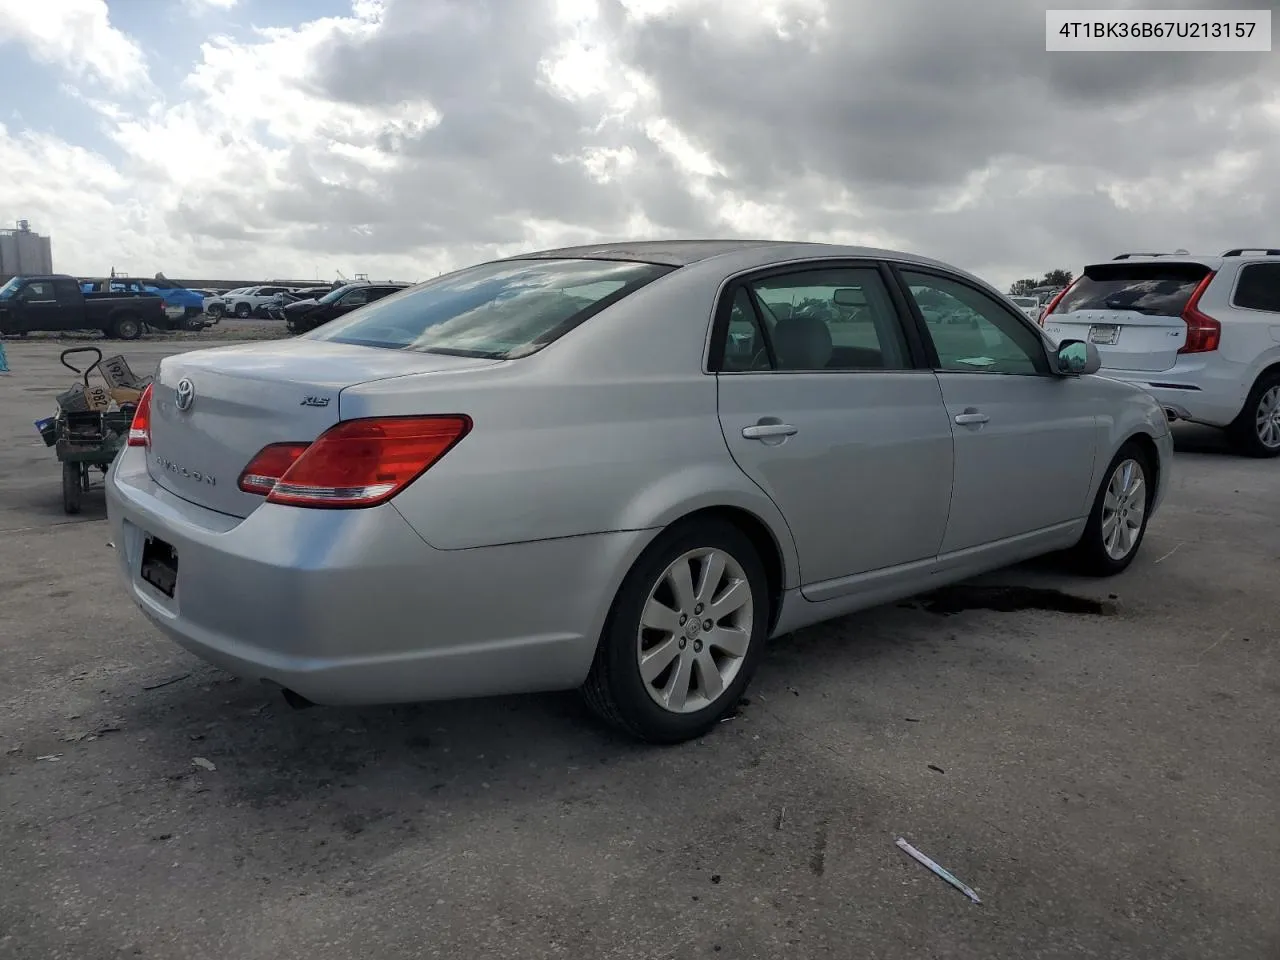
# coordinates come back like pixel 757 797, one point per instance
pixel 972 332
pixel 38 290
pixel 833 318
pixel 355 298
pixel 500 310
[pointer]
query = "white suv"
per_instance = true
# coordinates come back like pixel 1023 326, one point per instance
pixel 1201 334
pixel 1028 305
pixel 244 302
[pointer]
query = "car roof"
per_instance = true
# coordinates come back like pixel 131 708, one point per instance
pixel 1212 261
pixel 680 253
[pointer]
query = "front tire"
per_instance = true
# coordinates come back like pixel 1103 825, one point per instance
pixel 243 311
pixel 1256 431
pixel 1118 522
pixel 684 635
pixel 127 328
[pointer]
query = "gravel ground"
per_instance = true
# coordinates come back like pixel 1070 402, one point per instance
pixel 1107 781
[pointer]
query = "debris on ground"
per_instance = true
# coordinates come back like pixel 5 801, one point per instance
pixel 87 735
pixel 203 764
pixel 50 756
pixel 936 769
pixel 945 874
pixel 164 683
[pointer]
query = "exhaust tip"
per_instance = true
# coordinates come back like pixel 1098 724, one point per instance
pixel 295 700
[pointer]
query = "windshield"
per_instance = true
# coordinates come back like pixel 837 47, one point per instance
pixel 1156 289
pixel 8 289
pixel 499 310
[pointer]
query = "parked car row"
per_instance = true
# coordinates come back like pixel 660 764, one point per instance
pixel 1199 333
pixel 246 302
pixel 663 453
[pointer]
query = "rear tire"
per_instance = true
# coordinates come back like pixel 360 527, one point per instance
pixel 660 674
pixel 72 488
pixel 1111 539
pixel 1256 431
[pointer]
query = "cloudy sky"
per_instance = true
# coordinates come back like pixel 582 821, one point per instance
pixel 248 138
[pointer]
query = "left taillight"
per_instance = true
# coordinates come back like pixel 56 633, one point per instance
pixel 271 463
pixel 140 427
pixel 1053 304
pixel 356 463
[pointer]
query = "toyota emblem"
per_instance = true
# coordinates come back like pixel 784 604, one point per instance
pixel 185 394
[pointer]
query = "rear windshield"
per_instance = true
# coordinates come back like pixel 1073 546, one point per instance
pixel 1157 289
pixel 500 310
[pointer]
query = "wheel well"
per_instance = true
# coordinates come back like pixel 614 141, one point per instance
pixel 1148 447
pixel 1273 368
pixel 762 539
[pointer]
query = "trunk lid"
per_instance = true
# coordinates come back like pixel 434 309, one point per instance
pixel 1126 340
pixel 239 399
pixel 1132 311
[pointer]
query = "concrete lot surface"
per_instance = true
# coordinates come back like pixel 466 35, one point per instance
pixel 1107 781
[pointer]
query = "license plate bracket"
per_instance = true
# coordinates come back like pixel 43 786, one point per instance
pixel 159 565
pixel 1104 333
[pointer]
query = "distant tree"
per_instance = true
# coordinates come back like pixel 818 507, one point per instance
pixel 1020 288
pixel 1058 278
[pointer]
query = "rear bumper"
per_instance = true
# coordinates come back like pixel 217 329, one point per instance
pixel 352 607
pixel 1209 392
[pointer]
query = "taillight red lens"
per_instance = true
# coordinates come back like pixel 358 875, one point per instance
pixel 357 463
pixel 140 427
pixel 1056 300
pixel 1203 332
pixel 272 462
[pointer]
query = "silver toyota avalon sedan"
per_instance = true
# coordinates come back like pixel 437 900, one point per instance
pixel 619 468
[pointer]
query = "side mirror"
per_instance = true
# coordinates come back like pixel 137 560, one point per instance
pixel 1076 358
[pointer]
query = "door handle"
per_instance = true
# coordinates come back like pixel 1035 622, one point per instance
pixel 971 416
pixel 766 431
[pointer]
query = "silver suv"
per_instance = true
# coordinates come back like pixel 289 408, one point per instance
pixel 1201 334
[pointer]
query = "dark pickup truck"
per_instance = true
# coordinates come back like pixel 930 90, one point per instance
pixel 55 303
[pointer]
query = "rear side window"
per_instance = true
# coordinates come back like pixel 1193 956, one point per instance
pixel 66 291
pixel 500 310
pixel 1259 287
pixel 1155 289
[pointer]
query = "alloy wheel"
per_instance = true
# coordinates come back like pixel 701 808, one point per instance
pixel 695 630
pixel 1267 418
pixel 1124 509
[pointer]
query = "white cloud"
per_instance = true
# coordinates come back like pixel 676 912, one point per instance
pixel 406 138
pixel 77 36
pixel 204 6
